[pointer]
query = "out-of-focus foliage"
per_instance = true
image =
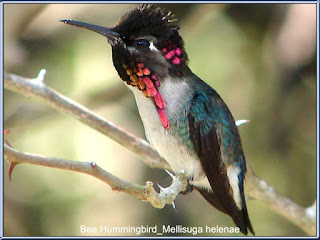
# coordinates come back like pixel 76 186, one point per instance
pixel 260 58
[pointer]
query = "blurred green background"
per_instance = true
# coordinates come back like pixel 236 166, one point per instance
pixel 259 57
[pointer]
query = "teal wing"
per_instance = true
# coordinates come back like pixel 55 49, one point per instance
pixel 208 116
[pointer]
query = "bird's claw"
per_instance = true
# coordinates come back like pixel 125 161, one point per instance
pixel 189 188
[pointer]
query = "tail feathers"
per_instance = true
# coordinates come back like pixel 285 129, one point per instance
pixel 245 211
pixel 240 217
pixel 246 219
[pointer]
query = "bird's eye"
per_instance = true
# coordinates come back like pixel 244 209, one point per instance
pixel 142 44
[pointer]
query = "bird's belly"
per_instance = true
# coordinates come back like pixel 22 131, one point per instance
pixel 168 143
pixel 177 154
pixel 171 148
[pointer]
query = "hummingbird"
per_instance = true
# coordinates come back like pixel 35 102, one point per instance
pixel 184 118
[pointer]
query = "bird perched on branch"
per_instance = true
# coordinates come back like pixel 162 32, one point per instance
pixel 184 118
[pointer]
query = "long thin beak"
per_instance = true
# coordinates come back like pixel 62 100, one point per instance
pixel 107 32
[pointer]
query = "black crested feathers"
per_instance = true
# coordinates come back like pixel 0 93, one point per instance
pixel 143 21
pixel 146 19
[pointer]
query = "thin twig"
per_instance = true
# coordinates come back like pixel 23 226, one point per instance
pixel 258 189
pixel 144 193
pixel 304 218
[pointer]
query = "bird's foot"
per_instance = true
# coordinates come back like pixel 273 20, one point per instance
pixel 189 188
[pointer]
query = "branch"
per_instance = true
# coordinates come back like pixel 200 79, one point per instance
pixel 304 218
pixel 35 88
pixel 258 189
pixel 144 193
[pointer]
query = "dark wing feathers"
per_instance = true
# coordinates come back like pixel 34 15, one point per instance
pixel 203 134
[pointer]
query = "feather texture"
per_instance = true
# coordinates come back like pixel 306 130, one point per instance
pixel 205 123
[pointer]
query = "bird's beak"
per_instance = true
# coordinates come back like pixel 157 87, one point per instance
pixel 107 32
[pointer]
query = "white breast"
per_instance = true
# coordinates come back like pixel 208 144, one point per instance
pixel 167 144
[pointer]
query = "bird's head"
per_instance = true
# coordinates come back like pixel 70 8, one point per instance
pixel 146 49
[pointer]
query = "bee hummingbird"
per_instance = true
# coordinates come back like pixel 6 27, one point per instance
pixel 185 119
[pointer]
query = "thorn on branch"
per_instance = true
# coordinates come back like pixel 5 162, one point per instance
pixel 160 187
pixel 40 78
pixel 92 164
pixel 170 174
pixel 312 210
pixel 242 121
pixel 12 165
